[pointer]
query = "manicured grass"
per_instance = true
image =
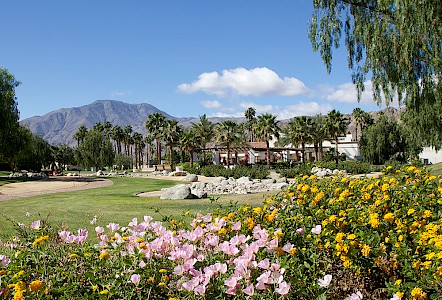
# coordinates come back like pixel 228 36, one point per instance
pixel 435 169
pixel 116 203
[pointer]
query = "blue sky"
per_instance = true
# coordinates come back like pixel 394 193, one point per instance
pixel 185 57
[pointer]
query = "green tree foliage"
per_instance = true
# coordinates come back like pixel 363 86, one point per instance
pixel 154 126
pixel 34 152
pixel 64 155
pixel 9 115
pixel 80 134
pixel 95 151
pixel 298 131
pixel 229 134
pixel 267 128
pixel 171 134
pixel 204 132
pixel 336 126
pixel 188 142
pixel 382 141
pixel 398 43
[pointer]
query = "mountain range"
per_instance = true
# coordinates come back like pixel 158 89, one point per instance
pixel 58 127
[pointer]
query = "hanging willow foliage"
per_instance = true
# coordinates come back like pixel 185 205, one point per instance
pixel 396 42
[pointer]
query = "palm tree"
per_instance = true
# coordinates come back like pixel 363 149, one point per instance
pixel 107 127
pixel 251 121
pixel 148 141
pixel 319 134
pixel 266 128
pixel 139 145
pixel 204 131
pixel 117 135
pixel 128 141
pixel 80 134
pixel 154 126
pixel 358 115
pixel 336 126
pixel 229 133
pixel 98 127
pixel 171 132
pixel 188 142
pixel 298 131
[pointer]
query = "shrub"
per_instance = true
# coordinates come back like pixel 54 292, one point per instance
pixel 296 171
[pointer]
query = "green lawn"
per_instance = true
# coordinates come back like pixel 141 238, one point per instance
pixel 116 203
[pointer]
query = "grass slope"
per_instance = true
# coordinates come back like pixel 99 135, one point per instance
pixel 117 203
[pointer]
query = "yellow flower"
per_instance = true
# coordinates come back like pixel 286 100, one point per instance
pixel 73 255
pixel 410 211
pixel 339 237
pixel 162 271
pixel 426 214
pixel 222 231
pixel 418 293
pixel 398 282
pixel 257 210
pixel 365 250
pixel 36 286
pixel 400 294
pixel 389 217
pixel 104 255
pixel 95 288
pixel 18 295
pixel 351 236
pixel 104 292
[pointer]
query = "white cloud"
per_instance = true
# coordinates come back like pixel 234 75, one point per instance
pixel 260 109
pixel 120 94
pixel 346 93
pixel 211 104
pixel 304 109
pixel 243 82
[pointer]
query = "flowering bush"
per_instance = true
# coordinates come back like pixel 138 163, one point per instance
pixel 332 238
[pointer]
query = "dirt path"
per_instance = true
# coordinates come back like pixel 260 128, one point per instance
pixel 47 186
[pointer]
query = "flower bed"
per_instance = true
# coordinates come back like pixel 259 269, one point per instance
pixel 332 238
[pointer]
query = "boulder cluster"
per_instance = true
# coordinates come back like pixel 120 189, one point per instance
pixel 221 185
pixel 28 175
pixel 322 172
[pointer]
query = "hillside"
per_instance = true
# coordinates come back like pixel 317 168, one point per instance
pixel 58 127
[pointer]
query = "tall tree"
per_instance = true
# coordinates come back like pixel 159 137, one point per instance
pixel 397 43
pixel 336 126
pixel 139 145
pixel 127 137
pixel 64 155
pixel 358 116
pixel 204 131
pixel 229 133
pixel 382 141
pixel 118 137
pixel 250 115
pixel 267 127
pixel 95 150
pixel 80 134
pixel 188 142
pixel 319 135
pixel 171 133
pixel 298 131
pixel 9 114
pixel 154 126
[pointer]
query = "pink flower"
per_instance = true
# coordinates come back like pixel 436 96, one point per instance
pixel 4 260
pixel 287 247
pixel 300 231
pixel 249 290
pixel 326 281
pixel 236 226
pixel 113 226
pixel 135 278
pixel 283 288
pixel 99 230
pixel 35 225
pixel 264 264
pixel 317 229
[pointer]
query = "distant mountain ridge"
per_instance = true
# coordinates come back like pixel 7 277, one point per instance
pixel 58 127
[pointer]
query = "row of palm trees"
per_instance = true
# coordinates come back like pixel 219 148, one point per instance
pixel 298 131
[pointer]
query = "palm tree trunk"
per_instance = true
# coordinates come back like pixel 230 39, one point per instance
pixel 321 152
pixel 158 151
pixel 315 145
pixel 191 158
pixel 303 152
pixel 171 155
pixel 336 151
pixel 268 154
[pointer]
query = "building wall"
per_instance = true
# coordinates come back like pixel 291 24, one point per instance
pixel 430 156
